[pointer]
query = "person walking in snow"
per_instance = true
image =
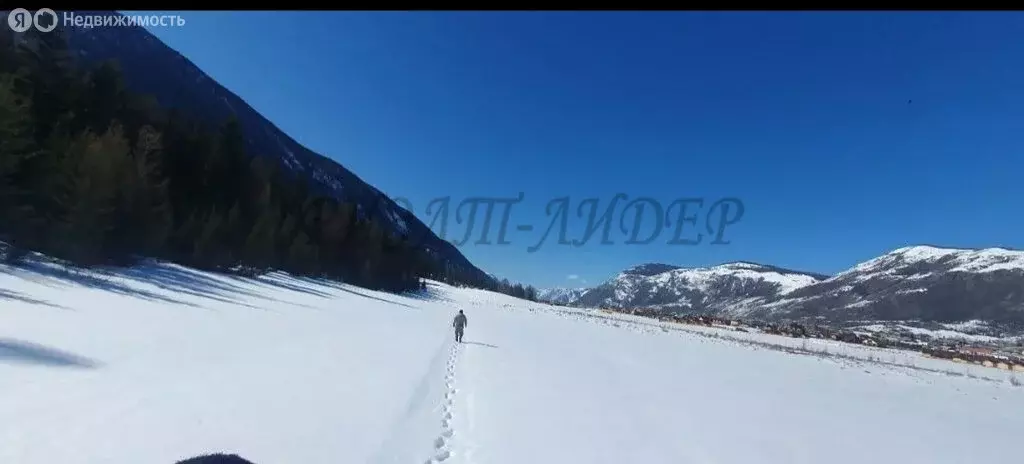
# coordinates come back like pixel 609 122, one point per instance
pixel 460 323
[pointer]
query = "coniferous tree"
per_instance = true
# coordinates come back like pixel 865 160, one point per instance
pixel 207 250
pixel 91 171
pixel 302 255
pixel 143 220
pixel 95 173
pixel 16 142
pixel 102 98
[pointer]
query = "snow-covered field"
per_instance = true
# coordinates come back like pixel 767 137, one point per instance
pixel 839 351
pixel 161 363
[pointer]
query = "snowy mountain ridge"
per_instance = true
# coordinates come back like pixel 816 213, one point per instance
pixel 961 259
pixel 705 289
pixel 560 295
pixel 924 282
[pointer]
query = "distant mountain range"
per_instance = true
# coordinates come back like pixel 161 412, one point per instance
pixel 924 283
pixel 151 67
pixel 560 295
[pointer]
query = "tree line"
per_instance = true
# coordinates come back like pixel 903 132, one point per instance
pixel 95 174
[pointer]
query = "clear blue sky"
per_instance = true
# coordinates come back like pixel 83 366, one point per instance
pixel 803 116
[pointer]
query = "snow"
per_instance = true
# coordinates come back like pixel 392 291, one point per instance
pixel 162 362
pixel 964 260
pixel 937 334
pixel 894 358
pixel 911 290
pixel 859 304
pixel 397 221
pixel 560 295
pixel 320 176
pixel 973 324
pixel 991 260
pixel 289 159
pixel 924 253
pixel 626 285
pixel 703 278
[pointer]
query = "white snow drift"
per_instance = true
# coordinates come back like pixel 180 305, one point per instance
pixel 161 363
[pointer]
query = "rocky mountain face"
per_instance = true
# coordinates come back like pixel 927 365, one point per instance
pixel 922 283
pixel 151 67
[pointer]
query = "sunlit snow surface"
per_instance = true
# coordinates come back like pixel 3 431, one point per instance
pixel 161 363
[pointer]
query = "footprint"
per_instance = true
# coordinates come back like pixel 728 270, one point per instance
pixel 441 443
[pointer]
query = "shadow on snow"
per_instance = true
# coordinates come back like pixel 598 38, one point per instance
pixel 53 276
pixel 22 352
pixel 479 343
pixel 12 295
pixel 179 280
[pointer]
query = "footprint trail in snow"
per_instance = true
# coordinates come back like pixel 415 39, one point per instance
pixel 442 445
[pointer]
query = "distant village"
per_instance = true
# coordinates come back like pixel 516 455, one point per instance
pixel 1005 354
